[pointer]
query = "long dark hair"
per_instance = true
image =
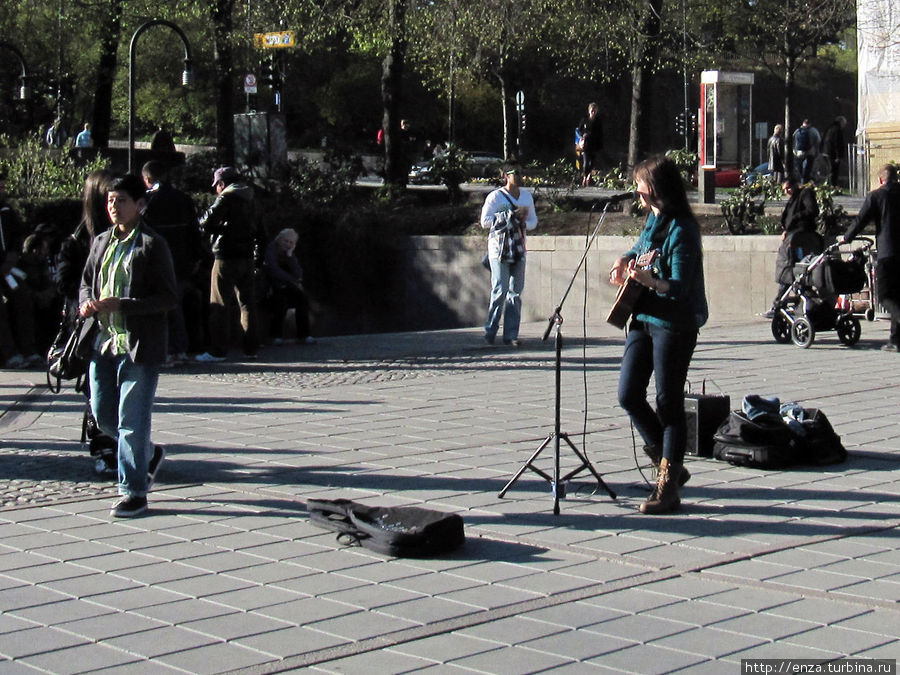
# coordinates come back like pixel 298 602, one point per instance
pixel 93 205
pixel 666 185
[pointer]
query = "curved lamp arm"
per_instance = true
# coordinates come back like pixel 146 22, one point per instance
pixel 186 76
pixel 24 93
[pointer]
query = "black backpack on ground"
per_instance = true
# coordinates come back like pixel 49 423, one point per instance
pixel 768 442
pixel 399 531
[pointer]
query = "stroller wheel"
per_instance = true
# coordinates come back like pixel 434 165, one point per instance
pixel 781 329
pixel 802 332
pixel 870 314
pixel 848 330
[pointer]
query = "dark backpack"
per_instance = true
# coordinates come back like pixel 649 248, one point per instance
pixel 399 531
pixel 767 442
pixel 802 143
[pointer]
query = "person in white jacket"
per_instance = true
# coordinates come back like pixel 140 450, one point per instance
pixel 507 213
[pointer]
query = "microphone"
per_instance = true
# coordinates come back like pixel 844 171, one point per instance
pixel 614 199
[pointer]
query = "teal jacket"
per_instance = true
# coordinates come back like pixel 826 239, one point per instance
pixel 680 262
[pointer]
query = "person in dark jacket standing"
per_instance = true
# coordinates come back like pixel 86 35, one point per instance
pixel 591 131
pixel 882 207
pixel 799 237
pixel 172 214
pixel 776 153
pixel 231 225
pixel 129 283
pixel 834 147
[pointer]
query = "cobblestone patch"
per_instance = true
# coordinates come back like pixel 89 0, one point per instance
pixel 39 477
pixel 335 373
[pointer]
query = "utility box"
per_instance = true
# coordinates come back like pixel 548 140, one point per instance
pixel 260 143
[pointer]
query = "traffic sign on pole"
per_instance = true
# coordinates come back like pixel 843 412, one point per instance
pixel 277 40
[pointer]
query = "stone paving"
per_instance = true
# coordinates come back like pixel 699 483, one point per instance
pixel 226 574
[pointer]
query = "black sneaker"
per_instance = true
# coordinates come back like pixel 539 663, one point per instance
pixel 129 507
pixel 159 454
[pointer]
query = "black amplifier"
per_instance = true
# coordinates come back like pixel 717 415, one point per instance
pixel 703 414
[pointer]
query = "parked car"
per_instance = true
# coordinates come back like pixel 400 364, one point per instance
pixel 480 165
pixel 760 172
pixel 421 174
pixel 484 164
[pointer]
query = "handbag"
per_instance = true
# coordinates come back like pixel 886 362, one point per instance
pixel 70 353
pixel 512 237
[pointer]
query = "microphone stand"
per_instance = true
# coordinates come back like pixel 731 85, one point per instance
pixel 557 483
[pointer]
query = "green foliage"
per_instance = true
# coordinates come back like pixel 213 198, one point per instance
pixel 686 161
pixel 35 172
pixel 195 175
pixel 832 218
pixel 618 178
pixel 746 204
pixel 554 182
pixel 452 166
pixel 324 184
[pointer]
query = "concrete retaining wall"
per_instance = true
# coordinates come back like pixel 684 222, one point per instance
pixel 444 283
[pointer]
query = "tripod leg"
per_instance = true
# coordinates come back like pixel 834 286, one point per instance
pixel 585 464
pixel 527 465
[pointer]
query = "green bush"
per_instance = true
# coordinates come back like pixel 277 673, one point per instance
pixel 686 161
pixel 35 172
pixel 327 183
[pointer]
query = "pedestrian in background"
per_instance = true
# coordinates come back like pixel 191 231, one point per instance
pixel 231 225
pixel 507 213
pixel 590 131
pixel 882 207
pixel 807 142
pixel 776 153
pixel 171 213
pixel 834 147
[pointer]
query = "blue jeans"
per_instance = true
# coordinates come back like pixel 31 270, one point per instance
pixel 507 283
pixel 665 353
pixel 122 394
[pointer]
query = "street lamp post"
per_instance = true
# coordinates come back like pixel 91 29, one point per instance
pixel 186 76
pixel 24 92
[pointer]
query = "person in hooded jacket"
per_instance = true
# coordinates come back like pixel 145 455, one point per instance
pixel 882 208
pixel 234 235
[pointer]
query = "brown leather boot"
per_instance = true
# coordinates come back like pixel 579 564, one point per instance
pixel 655 455
pixel 664 498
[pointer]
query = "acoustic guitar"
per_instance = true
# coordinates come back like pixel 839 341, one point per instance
pixel 629 292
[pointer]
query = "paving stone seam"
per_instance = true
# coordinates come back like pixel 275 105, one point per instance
pixel 447 626
pixel 556 599
pixel 833 596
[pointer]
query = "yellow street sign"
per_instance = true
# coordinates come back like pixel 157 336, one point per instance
pixel 279 40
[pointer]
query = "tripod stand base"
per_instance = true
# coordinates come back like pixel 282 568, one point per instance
pixel 557 483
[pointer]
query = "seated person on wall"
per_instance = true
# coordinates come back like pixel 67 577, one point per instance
pixel 17 337
pixel 284 278
pixel 43 300
pixel 799 237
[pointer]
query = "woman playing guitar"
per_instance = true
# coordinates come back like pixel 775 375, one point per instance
pixel 663 331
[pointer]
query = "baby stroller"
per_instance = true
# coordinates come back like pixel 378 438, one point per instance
pixel 809 305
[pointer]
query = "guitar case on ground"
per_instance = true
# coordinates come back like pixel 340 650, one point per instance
pixel 399 531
